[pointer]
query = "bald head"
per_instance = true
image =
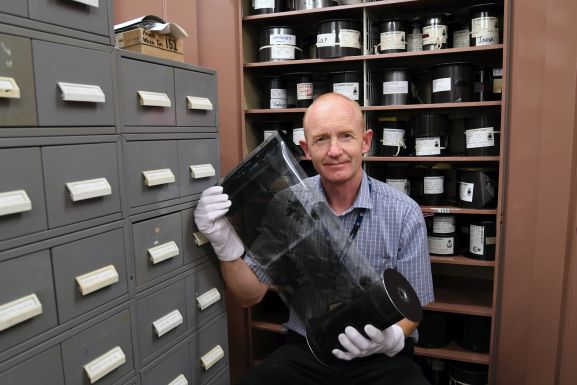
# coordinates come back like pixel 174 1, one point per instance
pixel 334 105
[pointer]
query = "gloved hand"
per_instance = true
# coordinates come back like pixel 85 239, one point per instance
pixel 389 341
pixel 209 218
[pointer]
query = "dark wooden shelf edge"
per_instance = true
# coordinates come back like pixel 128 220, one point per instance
pixel 413 54
pixel 444 307
pixel 268 327
pixel 456 210
pixel 454 353
pixel 461 260
pixel 431 158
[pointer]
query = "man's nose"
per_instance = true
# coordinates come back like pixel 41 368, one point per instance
pixel 335 149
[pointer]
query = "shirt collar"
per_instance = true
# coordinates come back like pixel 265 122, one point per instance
pixel 363 199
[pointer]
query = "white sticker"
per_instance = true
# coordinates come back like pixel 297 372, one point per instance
pixel 480 25
pixel 442 84
pixel 441 245
pixel 261 4
pixel 428 146
pixel 350 90
pixel 282 52
pixel 326 39
pixel 304 91
pixel 298 134
pixel 392 40
pixel 497 71
pixel 480 137
pixel 435 34
pixel 414 42
pixel 268 133
pixel 278 98
pixel 444 224
pixel 350 38
pixel 433 185
pixel 466 191
pixel 393 137
pixel 396 87
pixel 282 39
pixel 476 240
pixel 400 184
pixel 461 39
pixel 491 240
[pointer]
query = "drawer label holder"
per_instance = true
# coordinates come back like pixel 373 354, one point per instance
pixel 97 279
pixel 168 322
pixel 19 310
pixel 153 99
pixel 212 357
pixel 9 88
pixel 180 380
pixel 200 239
pixel 163 252
pixel 208 298
pixel 202 171
pixel 89 189
pixel 89 93
pixel 158 177
pixel 13 202
pixel 91 3
pixel 106 363
pixel 198 103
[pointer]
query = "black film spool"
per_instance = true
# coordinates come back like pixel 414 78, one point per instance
pixel 484 25
pixel 393 36
pixel 338 38
pixel 482 136
pixel 396 87
pixel 435 32
pixel 452 83
pixel 277 43
pixel 264 7
pixel 477 188
pixel 349 84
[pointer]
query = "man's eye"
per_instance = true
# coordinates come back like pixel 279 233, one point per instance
pixel 320 140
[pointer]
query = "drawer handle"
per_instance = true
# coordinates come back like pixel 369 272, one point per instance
pixel 97 279
pixel 9 88
pixel 167 323
pixel 19 310
pixel 88 189
pixel 198 103
pixel 206 299
pixel 202 171
pixel 106 363
pixel 200 239
pixel 72 92
pixel 180 380
pixel 212 357
pixel 13 202
pixel 92 3
pixel 153 99
pixel 163 252
pixel 157 177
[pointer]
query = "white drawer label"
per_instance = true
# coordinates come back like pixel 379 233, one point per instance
pixel 72 92
pixel 202 171
pixel 92 3
pixel 97 279
pixel 393 137
pixel 206 299
pixel 392 40
pixel 477 240
pixel 396 87
pixel 198 103
pixel 180 380
pixel 466 191
pixel 428 146
pixel 282 52
pixel 433 185
pixel 442 85
pixel 350 38
pixel 441 245
pixel 9 88
pixel 157 177
pixel 88 189
pixel 199 238
pixel 153 99
pixel 444 225
pixel 19 310
pixel 212 357
pixel 163 252
pixel 282 39
pixel 106 363
pixel 480 137
pixel 167 323
pixel 13 202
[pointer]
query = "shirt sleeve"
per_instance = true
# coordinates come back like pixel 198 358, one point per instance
pixel 413 260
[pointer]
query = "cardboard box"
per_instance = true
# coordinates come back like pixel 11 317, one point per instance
pixel 151 43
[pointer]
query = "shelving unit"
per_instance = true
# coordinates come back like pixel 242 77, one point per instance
pixel 458 294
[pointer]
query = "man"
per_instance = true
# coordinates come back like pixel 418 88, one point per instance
pixel 392 235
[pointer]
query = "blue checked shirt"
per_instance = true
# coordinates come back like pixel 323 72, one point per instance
pixel 392 235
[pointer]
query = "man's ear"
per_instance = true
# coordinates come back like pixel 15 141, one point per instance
pixel 305 147
pixel 367 140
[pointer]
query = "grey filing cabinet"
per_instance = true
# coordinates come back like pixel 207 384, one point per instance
pixel 104 277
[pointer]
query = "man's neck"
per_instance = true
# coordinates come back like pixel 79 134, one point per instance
pixel 342 196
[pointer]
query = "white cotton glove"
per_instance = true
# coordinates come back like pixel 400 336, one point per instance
pixel 389 341
pixel 209 218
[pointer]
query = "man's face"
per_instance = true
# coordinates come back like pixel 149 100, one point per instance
pixel 336 141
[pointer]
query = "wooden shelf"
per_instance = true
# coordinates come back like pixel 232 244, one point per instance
pixel 491 49
pixel 431 158
pixel 456 210
pixel 454 352
pixel 268 327
pixel 462 301
pixel 461 260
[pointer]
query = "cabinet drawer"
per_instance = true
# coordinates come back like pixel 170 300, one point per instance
pixel 88 273
pixel 17 94
pixel 222 379
pixel 160 318
pixel 18 8
pixel 27 304
pixel 22 207
pixel 147 94
pixel 91 167
pixel 205 296
pixel 147 158
pixel 73 85
pixel 102 346
pixel 196 246
pixel 74 14
pixel 43 369
pixel 195 99
pixel 199 165
pixel 165 371
pixel 157 247
pixel 209 352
